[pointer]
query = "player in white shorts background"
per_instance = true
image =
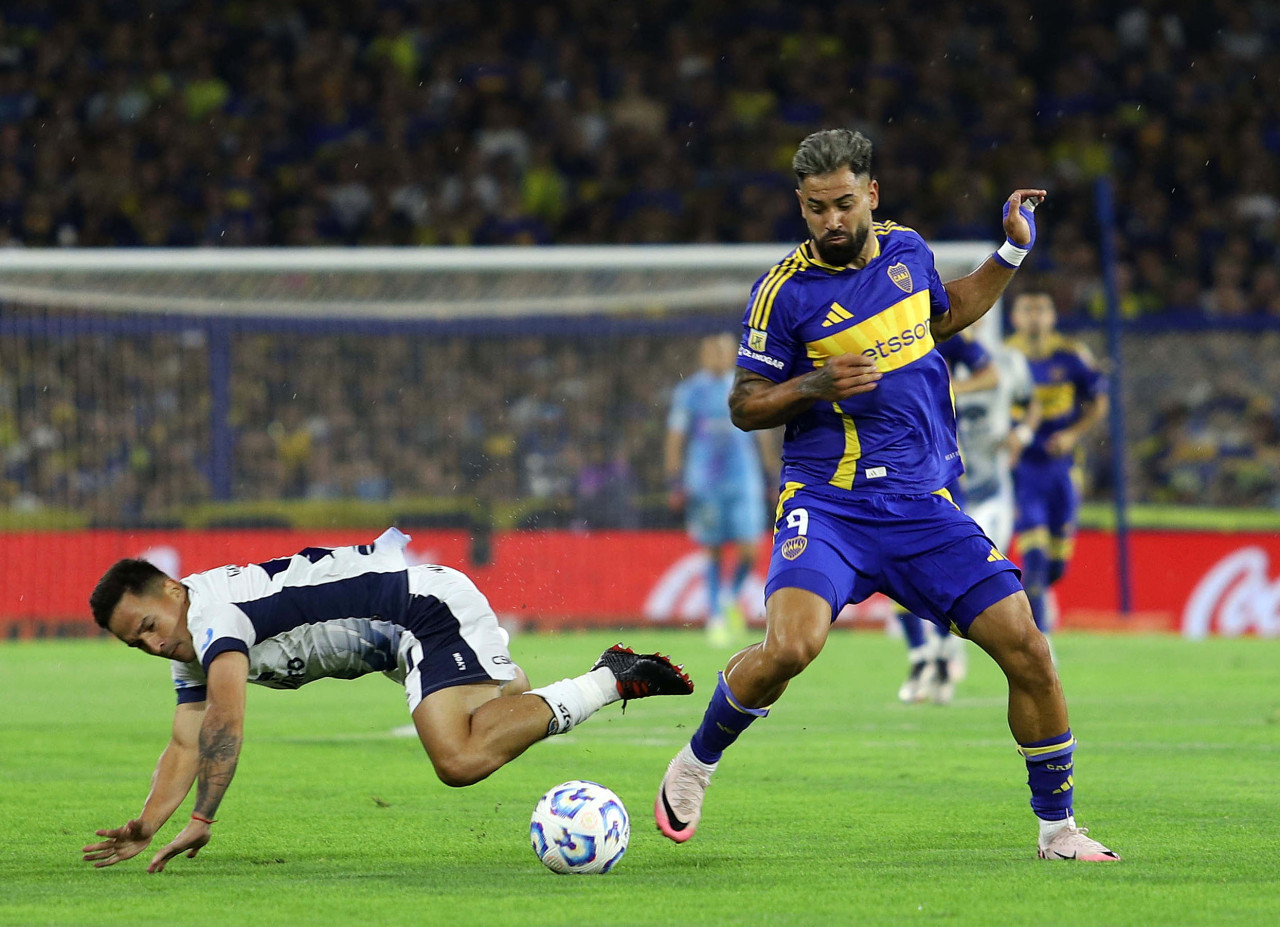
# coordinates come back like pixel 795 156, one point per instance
pixel 337 613
pixel 990 443
pixel 987 383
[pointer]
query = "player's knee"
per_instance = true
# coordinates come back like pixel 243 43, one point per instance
pixel 458 770
pixel 798 622
pixel 1028 662
pixel 789 654
pixel 1008 633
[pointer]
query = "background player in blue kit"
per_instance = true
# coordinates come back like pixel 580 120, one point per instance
pixel 337 613
pixel 1072 399
pixel 932 651
pixel 838 346
pixel 715 474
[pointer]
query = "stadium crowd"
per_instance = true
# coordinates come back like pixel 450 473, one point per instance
pixel 590 121
pixel 210 124
pixel 572 425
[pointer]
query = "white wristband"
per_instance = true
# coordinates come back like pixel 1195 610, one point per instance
pixel 1010 255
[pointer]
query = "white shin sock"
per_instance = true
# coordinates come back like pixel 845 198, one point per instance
pixel 572 701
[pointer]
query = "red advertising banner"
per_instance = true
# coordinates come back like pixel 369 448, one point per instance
pixel 1196 583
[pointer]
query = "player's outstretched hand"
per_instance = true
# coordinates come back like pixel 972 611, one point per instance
pixel 195 835
pixel 844 376
pixel 122 843
pixel 1019 221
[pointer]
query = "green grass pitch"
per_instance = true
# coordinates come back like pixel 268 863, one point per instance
pixel 842 807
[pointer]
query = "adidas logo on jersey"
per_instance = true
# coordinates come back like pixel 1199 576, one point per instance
pixel 836 315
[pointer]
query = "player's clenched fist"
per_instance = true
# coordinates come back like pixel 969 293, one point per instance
pixel 843 376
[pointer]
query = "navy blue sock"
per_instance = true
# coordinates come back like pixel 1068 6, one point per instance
pixel 1050 771
pixel 913 629
pixel 1035 576
pixel 724 720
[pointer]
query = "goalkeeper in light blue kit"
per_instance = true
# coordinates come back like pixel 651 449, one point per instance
pixel 838 346
pixel 714 473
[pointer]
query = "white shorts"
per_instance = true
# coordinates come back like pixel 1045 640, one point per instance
pixel 994 516
pixel 450 636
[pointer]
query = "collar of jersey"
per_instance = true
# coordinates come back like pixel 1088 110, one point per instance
pixel 809 254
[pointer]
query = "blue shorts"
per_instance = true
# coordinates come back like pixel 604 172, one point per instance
pixel 1045 496
pixel 919 550
pixel 725 517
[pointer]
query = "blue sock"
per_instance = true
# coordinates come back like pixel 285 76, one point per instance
pixel 724 720
pixel 912 629
pixel 1050 771
pixel 739 576
pixel 1035 575
pixel 713 586
pixel 1056 570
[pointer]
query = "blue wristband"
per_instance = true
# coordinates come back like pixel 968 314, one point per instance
pixel 1028 211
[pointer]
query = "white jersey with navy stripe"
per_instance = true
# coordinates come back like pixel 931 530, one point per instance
pixel 341 613
pixel 983 420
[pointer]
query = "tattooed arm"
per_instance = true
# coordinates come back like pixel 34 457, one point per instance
pixel 757 402
pixel 217 752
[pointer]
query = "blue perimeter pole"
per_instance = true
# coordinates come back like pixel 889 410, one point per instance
pixel 1105 204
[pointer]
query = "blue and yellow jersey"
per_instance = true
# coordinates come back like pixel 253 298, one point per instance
pixel 899 437
pixel 1065 379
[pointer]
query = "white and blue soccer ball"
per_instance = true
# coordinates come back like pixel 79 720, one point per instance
pixel 579 828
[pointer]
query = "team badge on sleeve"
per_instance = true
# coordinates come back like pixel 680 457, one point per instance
pixel 901 277
pixel 756 340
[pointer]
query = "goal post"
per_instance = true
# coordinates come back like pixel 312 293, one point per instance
pixel 400 283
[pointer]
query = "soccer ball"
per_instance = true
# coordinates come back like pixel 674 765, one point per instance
pixel 579 828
